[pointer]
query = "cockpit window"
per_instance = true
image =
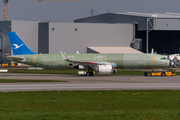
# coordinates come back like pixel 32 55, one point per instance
pixel 164 58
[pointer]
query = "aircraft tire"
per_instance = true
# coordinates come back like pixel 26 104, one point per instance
pixel 91 74
pixel 145 74
pixel 87 74
pixel 149 74
pixel 163 74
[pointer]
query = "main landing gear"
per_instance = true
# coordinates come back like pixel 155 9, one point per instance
pixel 90 72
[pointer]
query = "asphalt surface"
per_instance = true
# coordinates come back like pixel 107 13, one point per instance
pixel 76 82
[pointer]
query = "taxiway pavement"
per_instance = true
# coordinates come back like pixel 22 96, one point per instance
pixel 75 82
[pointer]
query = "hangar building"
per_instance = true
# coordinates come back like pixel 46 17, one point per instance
pixel 160 32
pixel 53 37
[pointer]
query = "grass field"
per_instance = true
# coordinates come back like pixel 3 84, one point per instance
pixel 27 81
pixel 90 105
pixel 74 72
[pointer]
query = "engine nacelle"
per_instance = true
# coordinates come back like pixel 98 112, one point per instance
pixel 104 69
pixel 80 67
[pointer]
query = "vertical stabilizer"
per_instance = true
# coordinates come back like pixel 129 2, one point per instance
pixel 18 46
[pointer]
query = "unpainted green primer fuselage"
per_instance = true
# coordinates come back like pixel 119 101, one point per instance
pixel 122 61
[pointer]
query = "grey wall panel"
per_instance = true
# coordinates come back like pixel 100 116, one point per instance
pixel 167 24
pixel 72 37
pixel 5 27
pixel 28 31
pixel 43 40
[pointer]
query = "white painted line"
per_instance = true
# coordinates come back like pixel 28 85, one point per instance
pixel 4 70
pixel 31 68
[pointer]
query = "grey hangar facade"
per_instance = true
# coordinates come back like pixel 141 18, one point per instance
pixel 137 30
pixel 160 32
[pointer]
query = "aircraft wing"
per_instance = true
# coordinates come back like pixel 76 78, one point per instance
pixel 93 64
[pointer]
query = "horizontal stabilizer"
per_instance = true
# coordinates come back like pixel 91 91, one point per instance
pixel 17 59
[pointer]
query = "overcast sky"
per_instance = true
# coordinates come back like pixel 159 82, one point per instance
pixel 67 11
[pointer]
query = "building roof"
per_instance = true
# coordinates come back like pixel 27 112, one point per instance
pixel 114 50
pixel 152 15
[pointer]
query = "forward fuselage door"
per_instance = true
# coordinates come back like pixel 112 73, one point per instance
pixel 153 59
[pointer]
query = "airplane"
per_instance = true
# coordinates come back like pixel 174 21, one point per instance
pixel 102 63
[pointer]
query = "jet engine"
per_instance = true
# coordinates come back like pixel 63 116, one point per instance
pixel 105 69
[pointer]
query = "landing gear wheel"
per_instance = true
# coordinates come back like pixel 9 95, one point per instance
pixel 149 74
pixel 145 74
pixel 89 74
pixel 163 74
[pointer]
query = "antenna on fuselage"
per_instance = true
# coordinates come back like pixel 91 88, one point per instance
pixel 152 51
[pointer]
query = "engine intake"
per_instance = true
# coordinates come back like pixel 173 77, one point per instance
pixel 104 69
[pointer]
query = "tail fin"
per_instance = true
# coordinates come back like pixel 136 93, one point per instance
pixel 18 46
